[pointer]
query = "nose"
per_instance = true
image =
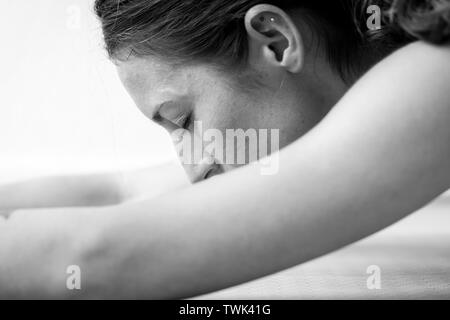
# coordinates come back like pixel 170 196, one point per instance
pixel 197 169
pixel 202 171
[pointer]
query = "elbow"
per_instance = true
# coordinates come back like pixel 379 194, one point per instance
pixel 54 261
pixel 94 267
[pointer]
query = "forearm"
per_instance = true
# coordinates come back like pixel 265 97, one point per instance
pixel 63 191
pixel 218 233
pixel 36 248
pixel 174 249
pixel 91 190
pixel 235 233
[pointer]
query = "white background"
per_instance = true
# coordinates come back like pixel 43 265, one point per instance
pixel 62 107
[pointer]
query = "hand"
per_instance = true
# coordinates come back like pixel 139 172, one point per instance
pixel 5 213
pixel 2 220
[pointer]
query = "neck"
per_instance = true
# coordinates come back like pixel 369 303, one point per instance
pixel 324 84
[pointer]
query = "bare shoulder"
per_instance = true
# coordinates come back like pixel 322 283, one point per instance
pixel 428 54
pixel 420 47
pixel 415 77
pixel 422 72
pixel 419 61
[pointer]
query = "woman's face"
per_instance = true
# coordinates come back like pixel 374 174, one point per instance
pixel 182 99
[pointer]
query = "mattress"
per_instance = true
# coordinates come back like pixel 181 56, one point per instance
pixel 408 260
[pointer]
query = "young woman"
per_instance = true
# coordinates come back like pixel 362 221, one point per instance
pixel 372 108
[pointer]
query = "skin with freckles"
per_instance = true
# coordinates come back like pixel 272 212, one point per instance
pixel 176 97
pixel 287 84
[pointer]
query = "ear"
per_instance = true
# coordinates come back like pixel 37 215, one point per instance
pixel 274 38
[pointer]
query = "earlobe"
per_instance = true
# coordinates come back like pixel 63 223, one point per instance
pixel 274 37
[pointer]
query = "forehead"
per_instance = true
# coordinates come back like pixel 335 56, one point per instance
pixel 149 73
pixel 150 78
pixel 150 82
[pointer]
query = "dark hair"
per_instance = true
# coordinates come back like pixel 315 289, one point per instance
pixel 405 21
pixel 213 30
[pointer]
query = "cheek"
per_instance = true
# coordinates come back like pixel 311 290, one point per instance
pixel 219 113
pixel 222 108
pixel 227 109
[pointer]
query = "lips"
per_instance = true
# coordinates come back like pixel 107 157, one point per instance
pixel 213 171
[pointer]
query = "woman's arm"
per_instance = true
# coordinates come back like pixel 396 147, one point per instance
pixel 61 191
pixel 90 190
pixel 382 153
